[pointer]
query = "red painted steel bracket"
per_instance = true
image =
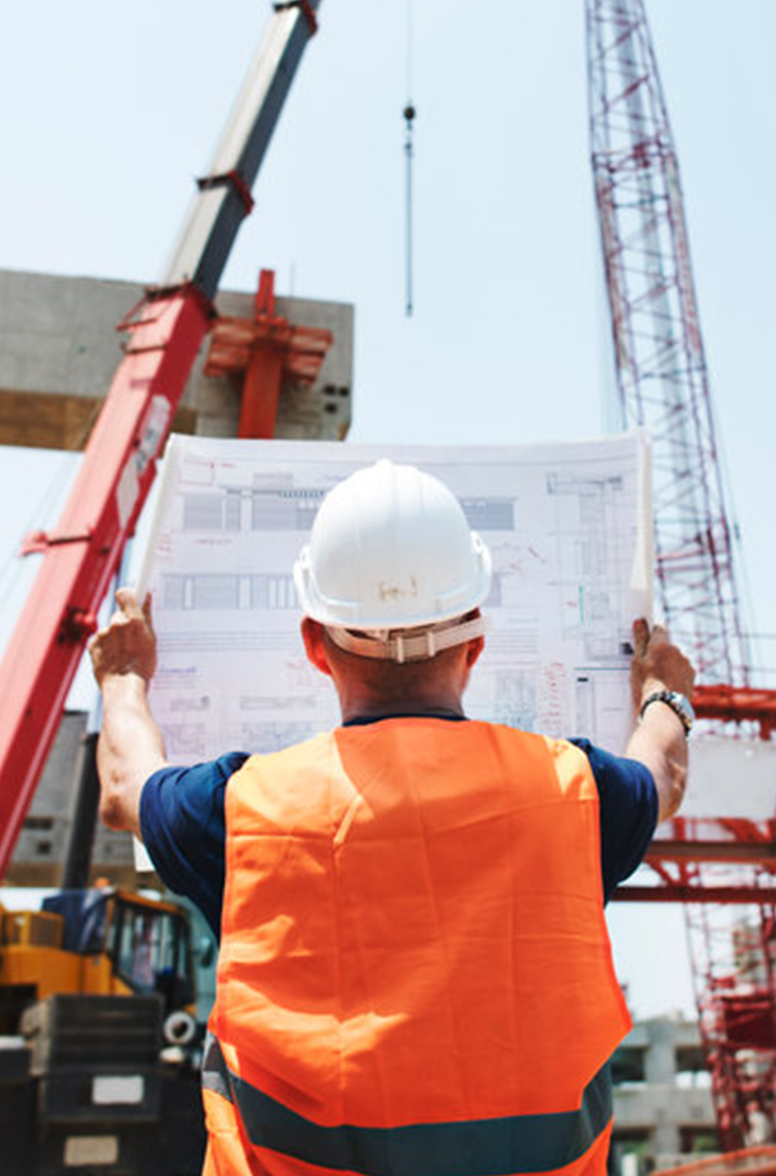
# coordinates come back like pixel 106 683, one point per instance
pixel 306 8
pixel 236 181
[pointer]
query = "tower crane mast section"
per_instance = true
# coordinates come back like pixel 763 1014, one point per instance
pixel 661 367
pixel 663 383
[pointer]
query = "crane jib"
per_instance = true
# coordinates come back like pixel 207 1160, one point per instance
pixel 119 464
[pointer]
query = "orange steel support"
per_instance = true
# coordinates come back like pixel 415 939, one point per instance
pixel 674 892
pixel 267 349
pixel 750 1161
pixel 737 704
pixel 261 391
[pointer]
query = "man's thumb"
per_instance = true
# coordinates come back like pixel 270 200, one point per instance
pixel 128 602
pixel 640 636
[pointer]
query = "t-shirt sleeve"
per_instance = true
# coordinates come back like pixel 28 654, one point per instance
pixel 628 812
pixel 183 825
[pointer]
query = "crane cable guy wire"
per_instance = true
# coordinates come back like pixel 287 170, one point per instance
pixel 409 113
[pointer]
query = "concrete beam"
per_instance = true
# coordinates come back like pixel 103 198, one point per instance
pixel 642 1105
pixel 59 349
pixel 45 421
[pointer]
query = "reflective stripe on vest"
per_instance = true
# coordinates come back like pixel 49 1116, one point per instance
pixel 490 1147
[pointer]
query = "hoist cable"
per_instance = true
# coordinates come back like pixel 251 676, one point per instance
pixel 409 116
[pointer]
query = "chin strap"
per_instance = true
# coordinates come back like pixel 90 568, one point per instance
pixel 407 645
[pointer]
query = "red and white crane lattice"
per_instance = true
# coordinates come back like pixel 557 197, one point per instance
pixel 713 866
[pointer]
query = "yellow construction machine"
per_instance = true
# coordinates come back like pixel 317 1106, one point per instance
pixel 99 1045
pixel 103 942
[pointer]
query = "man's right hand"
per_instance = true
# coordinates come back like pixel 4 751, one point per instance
pixel 128 644
pixel 130 747
pixel 657 664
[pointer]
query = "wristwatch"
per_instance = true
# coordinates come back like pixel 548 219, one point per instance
pixel 681 706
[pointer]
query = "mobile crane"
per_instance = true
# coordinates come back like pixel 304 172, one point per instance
pixel 92 1009
pixel 165 331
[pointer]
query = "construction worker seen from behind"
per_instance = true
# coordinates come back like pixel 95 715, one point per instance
pixel 414 971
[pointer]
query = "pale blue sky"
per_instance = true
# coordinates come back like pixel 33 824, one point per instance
pixel 110 112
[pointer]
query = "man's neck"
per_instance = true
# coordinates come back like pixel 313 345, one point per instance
pixel 363 710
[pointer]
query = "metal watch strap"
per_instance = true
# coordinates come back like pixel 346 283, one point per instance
pixel 677 704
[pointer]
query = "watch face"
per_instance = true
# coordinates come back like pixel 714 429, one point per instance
pixel 682 707
pixel 684 704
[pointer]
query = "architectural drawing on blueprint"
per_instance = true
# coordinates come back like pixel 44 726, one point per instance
pixel 567 526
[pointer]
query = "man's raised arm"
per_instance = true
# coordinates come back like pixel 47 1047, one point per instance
pixel 130 747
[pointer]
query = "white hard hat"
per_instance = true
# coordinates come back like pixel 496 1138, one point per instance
pixel 390 550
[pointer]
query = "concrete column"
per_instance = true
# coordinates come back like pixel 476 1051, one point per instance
pixel 660 1070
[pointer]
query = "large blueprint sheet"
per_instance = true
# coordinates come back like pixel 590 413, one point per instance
pixel 568 527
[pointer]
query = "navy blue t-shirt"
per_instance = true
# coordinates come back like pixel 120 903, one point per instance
pixel 184 827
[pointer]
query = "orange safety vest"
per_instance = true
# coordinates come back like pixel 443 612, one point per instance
pixel 415 977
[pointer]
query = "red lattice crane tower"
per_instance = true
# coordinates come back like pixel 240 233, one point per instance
pixel 663 384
